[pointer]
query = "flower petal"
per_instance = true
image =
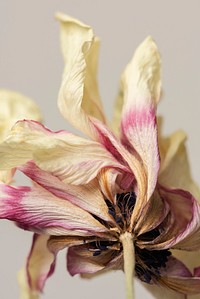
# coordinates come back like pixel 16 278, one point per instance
pixel 175 171
pixel 69 157
pixel 39 210
pixel 182 230
pixel 177 277
pixel 40 265
pixel 80 260
pixel 79 87
pixel 141 89
pixel 82 196
pixel 152 215
pixel 14 106
pixel 134 170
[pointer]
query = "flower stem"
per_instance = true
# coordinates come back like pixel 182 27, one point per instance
pixel 129 263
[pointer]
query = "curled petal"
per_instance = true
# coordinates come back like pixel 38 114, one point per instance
pixel 175 170
pixel 141 90
pixel 134 171
pixel 57 243
pixel 79 87
pixel 152 215
pixel 177 277
pixel 39 210
pixel 40 265
pixel 181 230
pixel 82 196
pixel 80 260
pixel 69 157
pixel 107 181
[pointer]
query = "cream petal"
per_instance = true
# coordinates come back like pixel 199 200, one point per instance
pixel 87 197
pixel 141 90
pixel 39 210
pixel 25 291
pixel 175 170
pixel 14 106
pixel 71 158
pixel 79 89
pixel 6 176
pixel 40 265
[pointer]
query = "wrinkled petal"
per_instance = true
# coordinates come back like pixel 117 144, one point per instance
pixel 87 197
pixel 175 170
pixel 182 227
pixel 39 210
pixel 73 34
pixel 159 291
pixel 69 157
pixel 177 277
pixel 141 90
pixel 57 243
pixel 40 265
pixel 137 172
pixel 152 215
pixel 107 181
pixel 79 88
pixel 80 260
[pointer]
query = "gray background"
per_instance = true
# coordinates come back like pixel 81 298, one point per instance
pixel 30 62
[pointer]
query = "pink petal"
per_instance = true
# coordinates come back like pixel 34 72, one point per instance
pixel 135 171
pixel 141 89
pixel 82 196
pixel 39 210
pixel 197 272
pixel 182 229
pixel 177 277
pixel 81 261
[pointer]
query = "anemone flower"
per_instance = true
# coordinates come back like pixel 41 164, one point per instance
pixel 13 107
pixel 108 198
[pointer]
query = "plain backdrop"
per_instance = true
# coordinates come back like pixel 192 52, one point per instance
pixel 31 63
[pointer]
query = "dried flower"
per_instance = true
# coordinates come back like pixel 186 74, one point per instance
pixel 107 198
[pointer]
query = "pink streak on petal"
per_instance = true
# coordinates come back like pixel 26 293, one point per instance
pixel 139 118
pixel 38 210
pixel 44 263
pixel 197 272
pixel 174 267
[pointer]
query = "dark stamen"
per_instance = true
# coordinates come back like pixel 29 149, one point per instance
pixel 121 212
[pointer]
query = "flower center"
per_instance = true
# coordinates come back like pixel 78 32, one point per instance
pixel 147 262
pixel 121 211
